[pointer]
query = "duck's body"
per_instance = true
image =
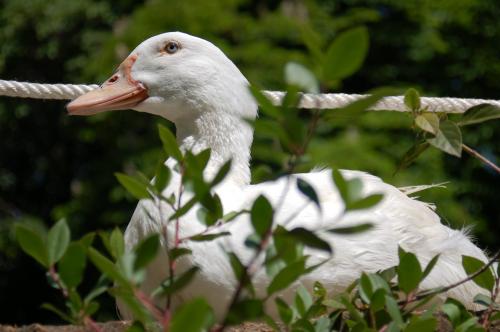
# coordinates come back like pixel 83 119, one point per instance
pixel 398 221
pixel 192 83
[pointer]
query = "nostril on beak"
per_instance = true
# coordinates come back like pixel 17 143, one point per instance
pixel 113 79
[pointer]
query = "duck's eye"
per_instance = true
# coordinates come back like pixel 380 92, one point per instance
pixel 171 47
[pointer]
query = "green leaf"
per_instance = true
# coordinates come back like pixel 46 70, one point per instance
pixel 116 243
pixel 352 229
pixel 134 186
pixel 57 241
pixel 33 244
pixel 428 122
pixel 418 324
pixel 485 279
pixel 175 253
pixel 265 104
pixel 393 310
pixel 162 177
pixel 412 99
pixel 169 143
pixel 369 284
pixel 411 155
pixel 261 215
pixel 452 311
pixel 364 203
pixel 430 266
pixel 208 237
pixel 230 216
pixel 184 209
pixel 303 300
pixel 87 239
pixel 221 174
pixel 284 310
pixel 308 191
pixel 480 113
pixel 297 74
pixel 448 139
pixel 309 239
pixel 245 310
pixel 409 272
pixel 64 316
pixel 483 300
pixel 193 316
pixel 169 287
pixel 287 276
pixel 346 54
pixel 106 266
pixel 341 184
pixel 72 265
pixel 146 251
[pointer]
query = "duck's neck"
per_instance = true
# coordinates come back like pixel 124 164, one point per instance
pixel 228 137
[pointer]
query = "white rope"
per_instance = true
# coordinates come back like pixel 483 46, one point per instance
pixel 321 101
pixel 43 91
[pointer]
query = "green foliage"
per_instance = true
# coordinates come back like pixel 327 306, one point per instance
pixel 269 36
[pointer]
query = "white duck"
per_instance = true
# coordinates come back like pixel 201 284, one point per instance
pixel 190 82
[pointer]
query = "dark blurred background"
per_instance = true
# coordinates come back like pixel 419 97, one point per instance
pixel 54 166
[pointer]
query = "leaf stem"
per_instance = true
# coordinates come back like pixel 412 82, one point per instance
pixel 479 156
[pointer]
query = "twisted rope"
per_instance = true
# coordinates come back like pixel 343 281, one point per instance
pixel 321 101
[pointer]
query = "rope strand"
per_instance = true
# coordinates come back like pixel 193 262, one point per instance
pixel 315 101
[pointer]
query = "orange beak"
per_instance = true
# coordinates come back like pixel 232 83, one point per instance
pixel 119 92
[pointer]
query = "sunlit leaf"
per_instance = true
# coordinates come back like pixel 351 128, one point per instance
pixel 169 143
pixel 428 122
pixel 365 202
pixel 412 99
pixel 33 244
pixel 480 113
pixel 297 74
pixel 485 279
pixel 393 310
pixel 57 241
pixel 208 237
pixel 134 186
pixel 448 139
pixel 106 266
pixel 346 54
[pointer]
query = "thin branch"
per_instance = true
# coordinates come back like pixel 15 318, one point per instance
pixel 479 156
pixel 469 278
pixel 489 311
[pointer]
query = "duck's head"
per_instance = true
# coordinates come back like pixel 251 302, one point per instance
pixel 175 75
